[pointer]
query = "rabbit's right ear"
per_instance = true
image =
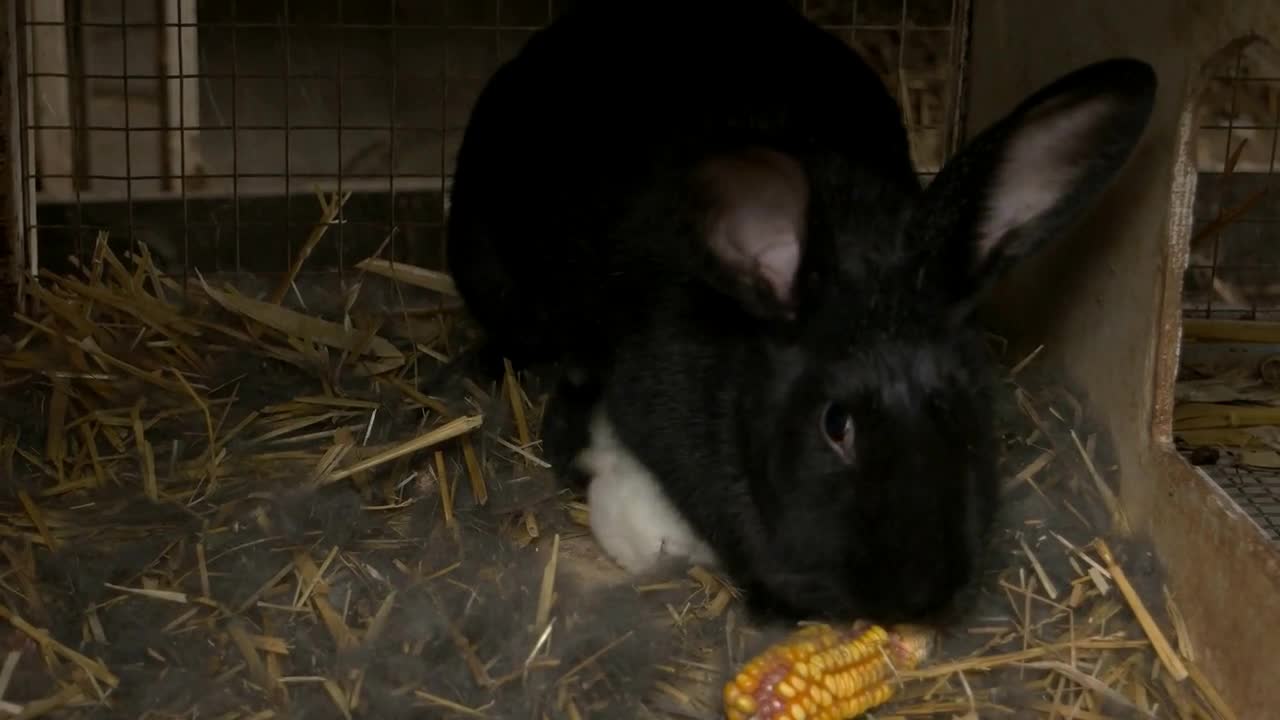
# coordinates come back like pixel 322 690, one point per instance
pixel 754 204
pixel 1025 180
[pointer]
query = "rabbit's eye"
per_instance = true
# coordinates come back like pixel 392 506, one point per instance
pixel 837 426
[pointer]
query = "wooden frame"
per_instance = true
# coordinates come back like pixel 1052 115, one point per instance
pixel 11 192
pixel 1106 305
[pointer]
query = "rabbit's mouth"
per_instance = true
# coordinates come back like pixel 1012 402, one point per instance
pixel 932 583
pixel 827 598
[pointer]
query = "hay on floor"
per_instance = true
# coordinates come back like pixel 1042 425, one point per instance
pixel 220 507
pixel 1228 403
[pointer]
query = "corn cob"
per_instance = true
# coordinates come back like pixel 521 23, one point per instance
pixel 823 673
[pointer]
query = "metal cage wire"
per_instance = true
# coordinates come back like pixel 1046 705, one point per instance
pixel 204 128
pixel 1234 267
pixel 1234 270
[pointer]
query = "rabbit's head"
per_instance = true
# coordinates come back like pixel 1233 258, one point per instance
pixel 871 432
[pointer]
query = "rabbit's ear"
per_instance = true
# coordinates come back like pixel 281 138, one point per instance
pixel 1023 181
pixel 755 209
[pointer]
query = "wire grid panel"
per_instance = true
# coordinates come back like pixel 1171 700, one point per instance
pixel 1234 270
pixel 1256 491
pixel 205 128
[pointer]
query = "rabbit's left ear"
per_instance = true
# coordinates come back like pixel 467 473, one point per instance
pixel 755 203
pixel 1023 181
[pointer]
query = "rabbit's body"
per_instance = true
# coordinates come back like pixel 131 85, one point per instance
pixel 570 198
pixel 728 247
pixel 633 519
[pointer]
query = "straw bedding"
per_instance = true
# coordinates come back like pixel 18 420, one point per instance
pixel 227 507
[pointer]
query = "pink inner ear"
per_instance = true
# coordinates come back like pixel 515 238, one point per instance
pixel 760 199
pixel 761 248
pixel 1039 167
pixel 778 264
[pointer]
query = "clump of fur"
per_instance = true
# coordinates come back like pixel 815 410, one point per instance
pixel 603 653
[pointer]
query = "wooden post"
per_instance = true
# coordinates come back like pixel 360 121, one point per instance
pixel 13 210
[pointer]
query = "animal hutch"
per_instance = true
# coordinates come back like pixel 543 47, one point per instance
pixel 300 153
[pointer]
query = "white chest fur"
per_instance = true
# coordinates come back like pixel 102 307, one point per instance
pixel 631 517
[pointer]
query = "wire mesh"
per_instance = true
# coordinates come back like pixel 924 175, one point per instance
pixel 1256 491
pixel 1234 267
pixel 1234 270
pixel 205 128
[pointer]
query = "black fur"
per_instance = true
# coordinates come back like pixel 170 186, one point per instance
pixel 579 234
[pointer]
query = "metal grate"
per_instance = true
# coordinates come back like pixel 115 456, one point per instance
pixel 1234 271
pixel 1256 491
pixel 1234 268
pixel 205 128
pixel 918 47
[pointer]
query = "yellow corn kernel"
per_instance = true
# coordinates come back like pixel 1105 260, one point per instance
pixel 823 673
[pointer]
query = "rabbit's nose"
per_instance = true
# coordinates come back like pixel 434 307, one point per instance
pixel 923 595
pixel 918 598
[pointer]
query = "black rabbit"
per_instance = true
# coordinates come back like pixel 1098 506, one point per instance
pixel 706 212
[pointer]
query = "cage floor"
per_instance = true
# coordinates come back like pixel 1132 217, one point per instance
pixel 1256 490
pixel 1226 377
pixel 281 533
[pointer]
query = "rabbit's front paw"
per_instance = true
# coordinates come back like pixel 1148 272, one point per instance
pixel 632 518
